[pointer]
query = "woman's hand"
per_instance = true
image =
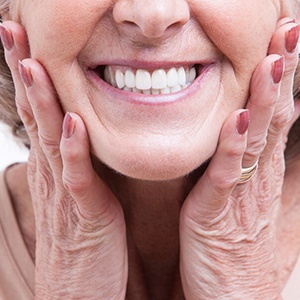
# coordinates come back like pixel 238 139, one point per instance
pixel 228 229
pixel 81 250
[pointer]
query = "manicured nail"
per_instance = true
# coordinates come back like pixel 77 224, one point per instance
pixel 291 39
pixel 277 70
pixel 25 75
pixel 6 38
pixel 68 126
pixel 243 121
pixel 287 21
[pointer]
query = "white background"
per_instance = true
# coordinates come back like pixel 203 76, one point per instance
pixel 10 150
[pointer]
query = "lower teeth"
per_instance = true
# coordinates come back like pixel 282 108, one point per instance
pixel 164 91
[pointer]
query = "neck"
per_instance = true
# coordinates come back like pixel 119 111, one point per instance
pixel 152 210
pixel 149 205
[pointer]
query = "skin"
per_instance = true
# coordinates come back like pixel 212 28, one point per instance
pixel 139 141
pixel 220 220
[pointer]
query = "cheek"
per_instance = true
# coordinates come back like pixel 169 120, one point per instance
pixel 241 29
pixel 58 30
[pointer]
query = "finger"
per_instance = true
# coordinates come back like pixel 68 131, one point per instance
pixel 93 197
pixel 284 21
pixel 264 93
pixel 15 43
pixel 46 110
pixel 284 42
pixel 223 172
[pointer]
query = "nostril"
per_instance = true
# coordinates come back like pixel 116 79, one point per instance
pixel 130 24
pixel 151 18
pixel 175 27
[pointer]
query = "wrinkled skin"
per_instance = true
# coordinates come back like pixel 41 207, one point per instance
pixel 144 141
pixel 228 231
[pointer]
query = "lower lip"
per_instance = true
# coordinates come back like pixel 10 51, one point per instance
pixel 137 98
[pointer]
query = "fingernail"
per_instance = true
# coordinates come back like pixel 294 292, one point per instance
pixel 291 39
pixel 287 21
pixel 69 125
pixel 277 70
pixel 243 121
pixel 25 75
pixel 6 38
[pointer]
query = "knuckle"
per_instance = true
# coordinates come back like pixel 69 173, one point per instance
pixel 46 181
pixel 24 110
pixel 223 183
pixel 255 147
pixel 41 179
pixel 29 122
pixel 49 146
pixel 76 183
pixel 291 66
pixel 22 102
pixel 282 117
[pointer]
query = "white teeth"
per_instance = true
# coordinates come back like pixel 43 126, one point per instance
pixel 137 91
pixel 127 89
pixel 165 90
pixel 143 82
pixel 159 79
pixel 176 88
pixel 172 76
pixel 120 79
pixel 155 91
pixel 129 79
pixel 181 76
pixel 146 92
pixel 192 75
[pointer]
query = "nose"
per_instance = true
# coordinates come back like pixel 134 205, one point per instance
pixel 151 18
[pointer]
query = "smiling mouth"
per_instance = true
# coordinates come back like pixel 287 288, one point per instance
pixel 156 82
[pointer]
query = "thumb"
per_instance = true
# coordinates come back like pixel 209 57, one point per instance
pixel 210 195
pixel 93 197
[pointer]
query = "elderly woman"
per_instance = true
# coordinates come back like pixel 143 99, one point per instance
pixel 157 132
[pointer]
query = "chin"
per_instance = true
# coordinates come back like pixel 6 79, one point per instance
pixel 156 164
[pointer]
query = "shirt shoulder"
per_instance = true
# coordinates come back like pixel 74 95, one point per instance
pixel 16 265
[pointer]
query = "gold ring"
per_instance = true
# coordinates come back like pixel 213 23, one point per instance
pixel 247 173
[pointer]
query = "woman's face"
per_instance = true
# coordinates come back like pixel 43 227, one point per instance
pixel 145 135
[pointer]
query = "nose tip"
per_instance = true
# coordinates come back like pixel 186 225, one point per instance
pixel 156 25
pixel 152 18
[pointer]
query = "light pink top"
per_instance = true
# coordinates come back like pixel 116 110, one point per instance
pixel 16 265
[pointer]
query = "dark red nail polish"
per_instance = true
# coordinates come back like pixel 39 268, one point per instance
pixel 277 70
pixel 6 38
pixel 243 121
pixel 68 126
pixel 25 75
pixel 291 39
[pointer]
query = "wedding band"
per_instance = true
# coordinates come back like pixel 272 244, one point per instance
pixel 247 173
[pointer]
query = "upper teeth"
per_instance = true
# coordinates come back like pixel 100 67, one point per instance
pixel 160 81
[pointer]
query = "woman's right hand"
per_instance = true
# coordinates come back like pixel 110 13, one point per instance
pixel 81 250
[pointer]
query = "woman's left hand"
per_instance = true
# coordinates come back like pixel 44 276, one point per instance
pixel 228 229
